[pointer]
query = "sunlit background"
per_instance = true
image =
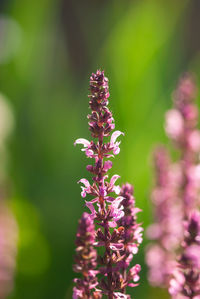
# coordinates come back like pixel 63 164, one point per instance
pixel 48 48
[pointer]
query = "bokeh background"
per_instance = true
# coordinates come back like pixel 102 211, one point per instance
pixel 48 48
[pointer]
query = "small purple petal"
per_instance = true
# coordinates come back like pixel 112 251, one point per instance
pixel 85 182
pixel 112 224
pixel 83 141
pixel 117 201
pixel 83 193
pixel 113 179
pixel 134 272
pixel 174 123
pixel 107 165
pixel 89 153
pixel 77 293
pixel 132 248
pixel 118 295
pixel 117 189
pixel 116 150
pixel 109 199
pixel 91 207
pixel 102 191
pixel 114 136
pixel 116 246
pixel 90 168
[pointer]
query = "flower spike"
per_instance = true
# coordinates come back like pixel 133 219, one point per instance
pixel 174 255
pixel 107 221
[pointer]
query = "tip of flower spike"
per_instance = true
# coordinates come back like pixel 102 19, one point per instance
pixel 127 189
pixel 98 76
pixel 99 91
pixel 186 90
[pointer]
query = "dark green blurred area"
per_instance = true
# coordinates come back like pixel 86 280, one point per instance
pixel 49 51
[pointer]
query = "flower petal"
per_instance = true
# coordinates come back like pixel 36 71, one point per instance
pixel 113 179
pixel 83 192
pixel 91 207
pixel 83 141
pixel 116 150
pixel 84 182
pixel 115 135
pixel 118 295
pixel 117 189
pixel 107 165
pixel 112 224
pixel 116 246
pixel 109 198
pixel 77 293
pixel 102 191
pixel 89 153
pixel 174 123
pixel 117 201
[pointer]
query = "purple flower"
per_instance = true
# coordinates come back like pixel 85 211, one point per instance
pixel 186 276
pixel 174 256
pixel 77 293
pixel 113 144
pixel 160 263
pixel 87 147
pixel 174 124
pixel 108 212
pixel 177 283
pixel 181 127
pixel 85 259
pixel 116 210
pixel 86 189
pixel 131 236
pixel 133 272
pixel 166 232
pixel 191 256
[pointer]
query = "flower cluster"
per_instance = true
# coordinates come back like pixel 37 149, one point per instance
pixel 85 259
pixel 181 127
pixel 186 277
pixel 109 209
pixel 132 235
pixel 167 229
pixel 176 199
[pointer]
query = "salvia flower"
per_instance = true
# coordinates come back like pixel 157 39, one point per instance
pixel 166 232
pixel 85 259
pixel 132 236
pixel 181 127
pixel 186 277
pixel 107 206
pixel 176 228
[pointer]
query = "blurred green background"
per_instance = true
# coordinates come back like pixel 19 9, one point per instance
pixel 47 51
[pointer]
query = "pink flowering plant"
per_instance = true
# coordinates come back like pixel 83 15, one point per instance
pixel 174 256
pixel 166 231
pixel 109 235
